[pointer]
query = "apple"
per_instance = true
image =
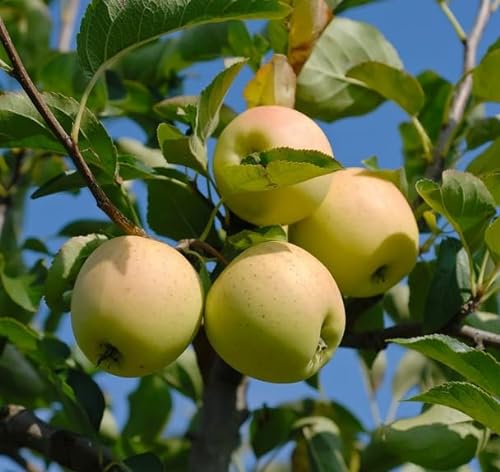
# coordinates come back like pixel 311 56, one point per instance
pixel 136 305
pixel 364 232
pixel 260 129
pixel 275 313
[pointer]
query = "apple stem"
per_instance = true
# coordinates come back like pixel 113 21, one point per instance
pixel 110 352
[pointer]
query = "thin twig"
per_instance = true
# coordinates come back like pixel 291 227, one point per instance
pixel 103 202
pixel 69 11
pixel 462 93
pixel 462 36
pixel 201 246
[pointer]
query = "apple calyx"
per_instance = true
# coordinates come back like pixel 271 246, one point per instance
pixel 379 276
pixel 109 353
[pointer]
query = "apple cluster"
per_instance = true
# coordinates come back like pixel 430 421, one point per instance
pixel 276 312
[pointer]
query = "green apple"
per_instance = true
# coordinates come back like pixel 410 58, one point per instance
pixel 364 232
pixel 136 305
pixel 275 313
pixel 260 129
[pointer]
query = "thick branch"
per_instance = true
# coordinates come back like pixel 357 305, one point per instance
pixel 224 411
pixel 378 339
pixel 21 428
pixel 21 75
pixel 462 93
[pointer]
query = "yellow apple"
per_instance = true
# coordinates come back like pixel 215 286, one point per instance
pixel 260 129
pixel 364 232
pixel 275 313
pixel 136 305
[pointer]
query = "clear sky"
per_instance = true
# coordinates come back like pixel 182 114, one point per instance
pixel 424 40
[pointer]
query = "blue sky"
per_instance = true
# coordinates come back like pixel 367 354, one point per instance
pixel 424 40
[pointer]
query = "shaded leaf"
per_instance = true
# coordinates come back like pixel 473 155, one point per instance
pixel 324 444
pixel 23 126
pixel 149 409
pixel 475 365
pixel 463 200
pixel 88 394
pixel 176 209
pixel 65 267
pixel 111 27
pixel 323 89
pixel 486 76
pixel 449 287
pixel 184 375
pixel 271 427
pixel 482 131
pixel 440 438
pixel 20 335
pixel 468 398
pixel 391 83
pixel 246 238
pixel 144 462
pixel 277 168
pixel 492 239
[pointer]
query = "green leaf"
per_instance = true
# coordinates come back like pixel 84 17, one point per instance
pixel 149 409
pixel 21 382
pixel 396 176
pixel 29 25
pixel 391 83
pixel 489 457
pixel 184 375
pixel 323 89
pixel 486 76
pixel 476 366
pixel 64 182
pixel 247 238
pixel 89 396
pixel 449 288
pixel 24 289
pixel 212 99
pixel 144 462
pixel 277 168
pixel 419 281
pixel 63 74
pixel 23 126
pixel 176 209
pixel 487 161
pixel 486 166
pixel 464 201
pixel 440 438
pixel 492 239
pixel 65 267
pixel 481 131
pixel 20 335
pixel 112 27
pixel 342 5
pixel 177 150
pixel 270 428
pixel 150 157
pixel 86 227
pixel 468 398
pixel 324 444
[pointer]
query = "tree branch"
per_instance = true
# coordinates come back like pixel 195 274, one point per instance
pixel 462 93
pixel 21 428
pixel 21 75
pixel 378 339
pixel 224 411
pixel 201 246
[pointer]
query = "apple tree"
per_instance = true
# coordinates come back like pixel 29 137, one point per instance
pixel 216 205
